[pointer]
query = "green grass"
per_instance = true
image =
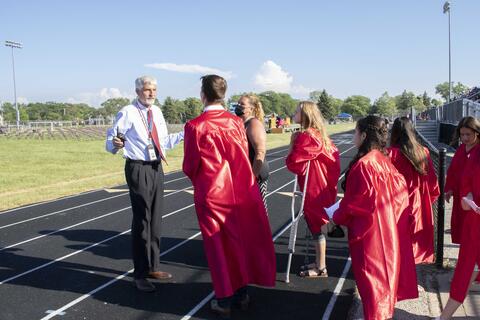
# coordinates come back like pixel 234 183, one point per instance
pixel 35 170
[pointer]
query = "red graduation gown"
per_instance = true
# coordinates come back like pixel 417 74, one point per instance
pixel 375 202
pixel 470 240
pixel 322 178
pixel 422 192
pixel 453 182
pixel 232 218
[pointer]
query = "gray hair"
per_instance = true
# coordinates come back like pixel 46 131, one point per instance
pixel 142 81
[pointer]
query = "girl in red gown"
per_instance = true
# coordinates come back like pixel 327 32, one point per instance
pixel 468 131
pixel 231 215
pixel 375 201
pixel 314 146
pixel 470 239
pixel 413 161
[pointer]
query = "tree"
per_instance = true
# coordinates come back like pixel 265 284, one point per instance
pixel 193 108
pixel 173 110
pixel 457 90
pixel 113 105
pixel 385 105
pixel 407 100
pixel 314 96
pixel 427 101
pixel 357 106
pixel 326 105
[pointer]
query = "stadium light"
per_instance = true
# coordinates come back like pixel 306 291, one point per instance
pixel 446 9
pixel 14 45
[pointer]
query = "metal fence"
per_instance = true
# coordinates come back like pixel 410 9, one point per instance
pixel 454 111
pixel 439 162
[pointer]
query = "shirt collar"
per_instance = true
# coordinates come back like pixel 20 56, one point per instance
pixel 213 107
pixel 140 105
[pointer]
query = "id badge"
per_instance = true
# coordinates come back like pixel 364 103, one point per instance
pixel 151 153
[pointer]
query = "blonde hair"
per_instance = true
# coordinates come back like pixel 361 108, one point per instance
pixel 257 106
pixel 311 117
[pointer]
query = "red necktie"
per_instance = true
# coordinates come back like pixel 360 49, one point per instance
pixel 154 133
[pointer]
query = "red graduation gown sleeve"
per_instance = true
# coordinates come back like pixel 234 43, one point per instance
pixel 322 179
pixel 230 211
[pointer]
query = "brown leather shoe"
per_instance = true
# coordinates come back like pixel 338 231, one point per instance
pixel 224 313
pixel 160 275
pixel 144 285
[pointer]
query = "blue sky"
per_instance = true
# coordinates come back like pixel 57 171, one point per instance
pixel 89 51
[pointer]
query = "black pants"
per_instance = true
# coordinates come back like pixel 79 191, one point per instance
pixel 145 183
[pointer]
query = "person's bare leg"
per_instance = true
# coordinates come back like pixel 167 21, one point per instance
pixel 449 310
pixel 320 252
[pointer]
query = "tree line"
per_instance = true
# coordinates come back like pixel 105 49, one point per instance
pixel 282 104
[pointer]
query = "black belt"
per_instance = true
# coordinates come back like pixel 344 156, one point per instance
pixel 152 163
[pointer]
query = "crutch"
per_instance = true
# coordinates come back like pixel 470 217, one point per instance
pixel 295 220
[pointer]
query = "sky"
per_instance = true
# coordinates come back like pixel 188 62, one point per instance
pixel 91 50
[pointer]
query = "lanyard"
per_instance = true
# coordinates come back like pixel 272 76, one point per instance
pixel 148 126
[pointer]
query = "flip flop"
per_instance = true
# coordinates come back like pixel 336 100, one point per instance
pixel 314 273
pixel 312 265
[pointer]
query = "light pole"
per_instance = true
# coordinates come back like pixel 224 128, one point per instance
pixel 446 9
pixel 18 46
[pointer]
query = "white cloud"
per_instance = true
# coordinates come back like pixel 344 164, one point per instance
pixel 190 68
pixel 95 99
pixel 272 77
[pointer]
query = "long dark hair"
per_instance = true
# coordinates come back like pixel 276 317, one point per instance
pixel 466 122
pixel 376 137
pixel 404 136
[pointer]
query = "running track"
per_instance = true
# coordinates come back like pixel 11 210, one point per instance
pixel 70 259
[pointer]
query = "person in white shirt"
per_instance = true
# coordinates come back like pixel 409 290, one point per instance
pixel 141 131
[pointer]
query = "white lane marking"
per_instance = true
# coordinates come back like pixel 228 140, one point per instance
pixel 198 306
pixel 63 229
pixel 115 190
pixel 72 196
pixel 87 295
pixel 60 314
pixel 336 292
pixel 75 225
pixel 61 258
pixel 60 211
pixel 76 207
pixel 81 250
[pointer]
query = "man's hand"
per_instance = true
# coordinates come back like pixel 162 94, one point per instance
pixel 117 143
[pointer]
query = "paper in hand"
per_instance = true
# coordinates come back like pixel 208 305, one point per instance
pixel 331 210
pixel 471 204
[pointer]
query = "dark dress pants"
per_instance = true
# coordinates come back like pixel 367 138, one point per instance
pixel 145 183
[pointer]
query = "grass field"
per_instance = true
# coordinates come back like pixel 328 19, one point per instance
pixel 35 170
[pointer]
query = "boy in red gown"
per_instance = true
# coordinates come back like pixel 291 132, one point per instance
pixel 232 218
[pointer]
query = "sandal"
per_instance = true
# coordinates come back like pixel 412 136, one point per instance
pixel 308 266
pixel 314 273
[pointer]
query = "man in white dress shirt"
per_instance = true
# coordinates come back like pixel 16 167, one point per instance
pixel 141 131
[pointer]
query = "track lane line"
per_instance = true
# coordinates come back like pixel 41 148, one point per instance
pixel 82 250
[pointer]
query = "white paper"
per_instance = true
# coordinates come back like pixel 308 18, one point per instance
pixel 471 204
pixel 331 210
